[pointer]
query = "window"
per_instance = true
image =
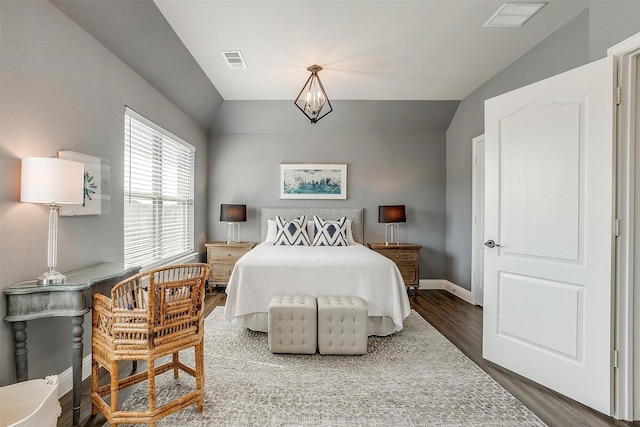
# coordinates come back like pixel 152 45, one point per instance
pixel 158 194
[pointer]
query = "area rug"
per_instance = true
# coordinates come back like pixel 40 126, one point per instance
pixel 415 377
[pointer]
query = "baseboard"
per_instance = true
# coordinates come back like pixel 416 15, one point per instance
pixel 446 285
pixel 65 379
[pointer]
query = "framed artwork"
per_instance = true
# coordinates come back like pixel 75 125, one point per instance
pixel 313 181
pixel 97 194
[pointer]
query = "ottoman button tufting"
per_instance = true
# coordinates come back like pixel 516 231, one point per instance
pixel 342 325
pixel 293 324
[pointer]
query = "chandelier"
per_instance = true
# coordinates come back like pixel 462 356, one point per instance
pixel 312 99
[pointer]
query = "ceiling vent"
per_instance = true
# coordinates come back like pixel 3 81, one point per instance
pixel 234 59
pixel 513 15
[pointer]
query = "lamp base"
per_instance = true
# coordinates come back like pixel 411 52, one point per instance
pixel 52 277
pixel 231 233
pixel 390 234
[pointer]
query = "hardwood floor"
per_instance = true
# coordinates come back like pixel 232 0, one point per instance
pixel 461 323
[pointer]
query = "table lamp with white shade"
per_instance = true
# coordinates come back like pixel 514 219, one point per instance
pixel 54 182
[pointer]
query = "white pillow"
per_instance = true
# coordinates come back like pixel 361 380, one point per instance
pixel 271 231
pixel 350 239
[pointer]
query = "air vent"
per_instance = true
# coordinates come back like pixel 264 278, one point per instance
pixel 513 14
pixel 234 59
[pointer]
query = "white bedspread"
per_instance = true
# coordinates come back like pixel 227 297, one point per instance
pixel 355 270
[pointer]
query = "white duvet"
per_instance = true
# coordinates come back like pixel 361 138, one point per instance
pixel 355 270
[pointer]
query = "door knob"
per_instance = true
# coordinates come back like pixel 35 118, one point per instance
pixel 491 244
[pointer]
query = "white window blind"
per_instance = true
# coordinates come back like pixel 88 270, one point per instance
pixel 158 194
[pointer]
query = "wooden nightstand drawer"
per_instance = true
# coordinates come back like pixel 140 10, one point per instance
pixel 401 256
pixel 222 258
pixel 406 256
pixel 221 271
pixel 225 252
pixel 409 274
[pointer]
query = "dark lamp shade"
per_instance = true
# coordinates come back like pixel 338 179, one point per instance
pixel 233 213
pixel 392 213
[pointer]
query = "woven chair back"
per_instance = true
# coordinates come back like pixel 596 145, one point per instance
pixel 158 307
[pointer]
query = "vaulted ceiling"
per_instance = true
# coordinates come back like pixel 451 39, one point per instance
pixel 370 49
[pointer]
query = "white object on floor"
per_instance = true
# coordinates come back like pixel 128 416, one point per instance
pixel 30 403
pixel 342 325
pixel 293 324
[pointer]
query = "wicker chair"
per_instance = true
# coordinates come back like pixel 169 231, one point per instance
pixel 149 315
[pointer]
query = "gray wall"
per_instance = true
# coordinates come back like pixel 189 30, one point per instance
pixel 62 90
pixel 582 40
pixel 138 33
pixel 611 22
pixel 392 152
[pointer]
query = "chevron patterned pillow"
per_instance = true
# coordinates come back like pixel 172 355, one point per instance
pixel 330 233
pixel 292 233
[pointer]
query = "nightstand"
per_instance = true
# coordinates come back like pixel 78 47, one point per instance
pixel 222 257
pixel 407 258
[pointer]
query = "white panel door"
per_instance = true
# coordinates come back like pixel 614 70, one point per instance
pixel 549 200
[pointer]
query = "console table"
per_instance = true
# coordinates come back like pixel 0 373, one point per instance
pixel 28 301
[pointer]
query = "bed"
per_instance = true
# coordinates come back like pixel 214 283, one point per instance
pixel 269 270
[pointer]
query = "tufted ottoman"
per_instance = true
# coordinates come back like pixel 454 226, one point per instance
pixel 293 324
pixel 342 325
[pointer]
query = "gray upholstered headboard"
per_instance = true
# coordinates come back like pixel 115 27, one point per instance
pixel 356 215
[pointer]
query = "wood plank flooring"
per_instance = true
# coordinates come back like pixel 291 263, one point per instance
pixel 461 323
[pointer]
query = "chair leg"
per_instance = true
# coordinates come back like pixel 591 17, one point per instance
pixel 94 384
pixel 152 384
pixel 199 356
pixel 114 386
pixel 176 359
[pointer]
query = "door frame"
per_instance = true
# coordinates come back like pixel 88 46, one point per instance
pixel 627 376
pixel 477 223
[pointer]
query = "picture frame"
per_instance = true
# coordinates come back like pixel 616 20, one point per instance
pixel 97 193
pixel 313 181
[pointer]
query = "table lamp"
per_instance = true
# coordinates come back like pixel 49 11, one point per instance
pixel 54 182
pixel 233 214
pixel 391 215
